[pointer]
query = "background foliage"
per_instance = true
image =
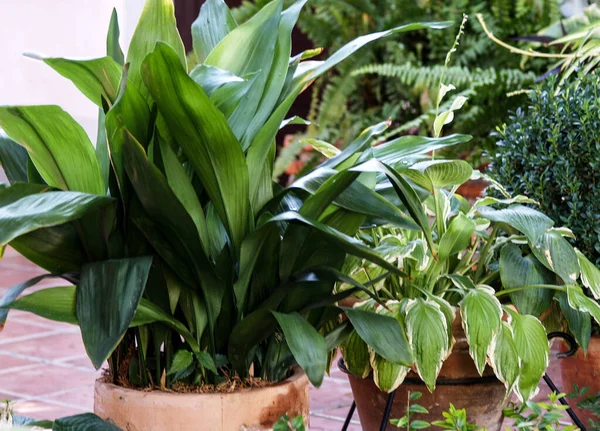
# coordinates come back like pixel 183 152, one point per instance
pixel 398 77
pixel 550 151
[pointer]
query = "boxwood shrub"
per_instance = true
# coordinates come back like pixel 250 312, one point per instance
pixel 550 151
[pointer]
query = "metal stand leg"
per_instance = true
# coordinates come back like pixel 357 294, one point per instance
pixel 388 411
pixel 572 350
pixel 349 416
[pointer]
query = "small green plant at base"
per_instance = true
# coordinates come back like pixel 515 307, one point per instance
pixel 532 416
pixel 287 424
pixel 6 415
pixel 454 419
pixel 590 402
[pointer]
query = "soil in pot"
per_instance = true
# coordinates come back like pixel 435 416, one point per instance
pixel 243 410
pixel 583 370
pixel 459 383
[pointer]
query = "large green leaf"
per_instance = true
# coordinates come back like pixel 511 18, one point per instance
pixel 250 48
pixel 481 314
pixel 517 270
pixel 504 357
pixel 534 353
pixel 213 23
pixel 113 49
pixel 57 249
pixel 204 136
pixel 108 295
pixel 533 224
pixel 427 329
pixel 590 275
pixel 54 303
pixel 436 174
pixel 306 344
pixel 457 237
pixel 558 255
pixel 97 79
pixel 83 422
pixel 579 301
pixel 383 334
pixel 129 115
pixel 579 323
pixel 58 146
pixel 41 210
pixel 156 24
pixel 13 159
pixel 408 147
pixel 173 222
pixel 356 355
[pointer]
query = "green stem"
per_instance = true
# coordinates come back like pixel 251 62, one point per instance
pixel 484 253
pixel 533 286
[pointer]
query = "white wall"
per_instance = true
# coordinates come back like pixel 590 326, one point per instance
pixel 58 28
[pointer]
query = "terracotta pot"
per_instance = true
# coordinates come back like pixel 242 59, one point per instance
pixel 458 383
pixel 247 409
pixel 584 370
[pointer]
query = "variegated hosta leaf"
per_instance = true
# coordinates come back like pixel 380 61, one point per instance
pixel 481 314
pixel 520 199
pixel 427 334
pixel 557 254
pixel 436 174
pixel 387 375
pixel 579 301
pixel 530 222
pixel 504 357
pixel 578 322
pixel 450 314
pixel 590 275
pixel 355 353
pixel 534 353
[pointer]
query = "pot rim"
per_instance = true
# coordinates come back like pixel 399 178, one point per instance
pixel 297 374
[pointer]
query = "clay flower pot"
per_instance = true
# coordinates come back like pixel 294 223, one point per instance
pixel 459 383
pixel 584 370
pixel 243 410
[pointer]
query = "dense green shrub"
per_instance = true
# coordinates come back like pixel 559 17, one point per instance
pixel 551 152
pixel 399 78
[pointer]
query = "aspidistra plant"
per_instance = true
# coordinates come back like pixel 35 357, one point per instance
pixel 187 262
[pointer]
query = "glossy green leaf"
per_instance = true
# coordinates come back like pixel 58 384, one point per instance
pixel 96 79
pixel 83 422
pixel 204 136
pixel 58 146
pixel 579 301
pixel 113 49
pixel 457 237
pixel 306 344
pixel 504 357
pixel 481 314
pixel 579 323
pixel 533 224
pixel 13 159
pixel 427 333
pixel 590 274
pixel 129 115
pixel 387 375
pixel 41 210
pixel 436 174
pixel 108 295
pixel 534 353
pixel 517 271
pixel 250 48
pixel 211 78
pixel 156 24
pixel 383 334
pixel 558 255
pixel 213 23
pixel 54 303
pixel 408 147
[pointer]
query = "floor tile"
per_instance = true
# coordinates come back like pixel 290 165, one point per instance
pixel 52 346
pixel 44 379
pixel 37 409
pixel 82 397
pixel 10 364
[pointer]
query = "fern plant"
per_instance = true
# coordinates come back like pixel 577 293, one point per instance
pixel 393 78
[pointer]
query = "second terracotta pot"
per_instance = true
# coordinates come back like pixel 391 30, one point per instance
pixel 583 370
pixel 458 383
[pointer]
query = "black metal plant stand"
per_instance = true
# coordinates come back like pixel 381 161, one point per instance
pixel 572 350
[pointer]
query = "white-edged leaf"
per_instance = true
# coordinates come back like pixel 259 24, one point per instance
pixel 504 357
pixel 355 353
pixel 441 120
pixel 590 275
pixel 557 254
pixel 481 314
pixel 387 375
pixel 458 103
pixel 579 301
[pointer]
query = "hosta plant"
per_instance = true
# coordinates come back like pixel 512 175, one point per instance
pixel 187 264
pixel 500 264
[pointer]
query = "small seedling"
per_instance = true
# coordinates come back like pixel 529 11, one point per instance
pixel 287 424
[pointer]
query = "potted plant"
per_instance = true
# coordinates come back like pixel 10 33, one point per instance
pixel 484 288
pixel 548 152
pixel 191 270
